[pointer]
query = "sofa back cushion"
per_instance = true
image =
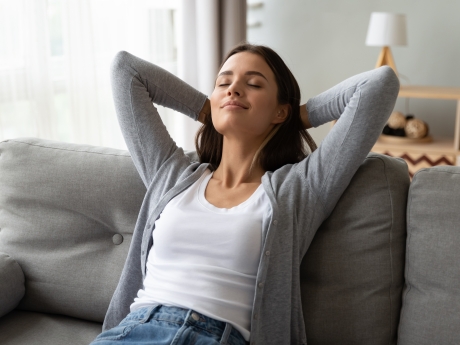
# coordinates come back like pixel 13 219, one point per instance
pixel 430 311
pixel 67 213
pixel 353 272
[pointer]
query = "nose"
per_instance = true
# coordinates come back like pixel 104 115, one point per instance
pixel 233 89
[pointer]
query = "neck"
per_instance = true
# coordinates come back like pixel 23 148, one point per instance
pixel 236 161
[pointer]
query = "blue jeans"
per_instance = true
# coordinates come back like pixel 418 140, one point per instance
pixel 161 325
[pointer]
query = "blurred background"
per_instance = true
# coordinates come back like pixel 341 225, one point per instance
pixel 55 55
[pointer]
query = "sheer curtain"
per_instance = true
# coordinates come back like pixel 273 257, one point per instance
pixel 55 60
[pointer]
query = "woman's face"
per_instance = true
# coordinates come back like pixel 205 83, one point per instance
pixel 244 101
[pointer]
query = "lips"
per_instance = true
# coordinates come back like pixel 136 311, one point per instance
pixel 239 104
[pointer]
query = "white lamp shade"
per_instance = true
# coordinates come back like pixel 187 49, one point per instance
pixel 386 29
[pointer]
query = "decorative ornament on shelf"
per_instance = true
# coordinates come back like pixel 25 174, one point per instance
pixel 416 128
pixel 406 129
pixel 395 125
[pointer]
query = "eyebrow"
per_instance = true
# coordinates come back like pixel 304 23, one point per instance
pixel 247 73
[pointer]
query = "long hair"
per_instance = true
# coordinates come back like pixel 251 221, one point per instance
pixel 287 143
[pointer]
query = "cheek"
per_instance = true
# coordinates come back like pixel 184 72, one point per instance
pixel 265 105
pixel 215 100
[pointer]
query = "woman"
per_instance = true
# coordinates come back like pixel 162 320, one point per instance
pixel 222 266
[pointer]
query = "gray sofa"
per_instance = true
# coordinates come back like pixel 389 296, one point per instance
pixel 384 268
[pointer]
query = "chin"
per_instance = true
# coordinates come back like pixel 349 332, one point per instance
pixel 234 125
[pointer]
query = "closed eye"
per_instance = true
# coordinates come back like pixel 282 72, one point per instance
pixel 257 86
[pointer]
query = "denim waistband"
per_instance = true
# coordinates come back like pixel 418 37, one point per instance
pixel 181 315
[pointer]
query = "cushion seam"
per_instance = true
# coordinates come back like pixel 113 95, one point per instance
pixel 391 241
pixel 407 265
pixel 62 149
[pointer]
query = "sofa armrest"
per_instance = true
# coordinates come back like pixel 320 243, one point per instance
pixel 12 287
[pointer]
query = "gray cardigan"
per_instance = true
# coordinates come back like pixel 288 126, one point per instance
pixel 301 195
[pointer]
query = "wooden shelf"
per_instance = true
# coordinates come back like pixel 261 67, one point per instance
pixel 432 92
pixel 441 151
pixel 436 92
pixel 437 146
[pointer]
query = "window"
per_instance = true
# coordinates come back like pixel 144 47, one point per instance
pixel 54 64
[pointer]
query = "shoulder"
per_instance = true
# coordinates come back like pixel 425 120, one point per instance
pixel 283 179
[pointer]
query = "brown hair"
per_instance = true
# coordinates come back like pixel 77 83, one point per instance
pixel 286 142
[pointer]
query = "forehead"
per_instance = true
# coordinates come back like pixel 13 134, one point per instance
pixel 245 61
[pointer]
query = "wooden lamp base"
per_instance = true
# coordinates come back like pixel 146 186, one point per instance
pixel 386 58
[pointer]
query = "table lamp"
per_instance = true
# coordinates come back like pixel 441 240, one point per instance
pixel 385 30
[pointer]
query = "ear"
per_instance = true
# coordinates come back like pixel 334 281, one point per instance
pixel 282 113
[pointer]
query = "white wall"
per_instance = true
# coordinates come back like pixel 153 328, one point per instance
pixel 323 42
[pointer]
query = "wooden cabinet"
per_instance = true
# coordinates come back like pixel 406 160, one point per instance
pixel 441 151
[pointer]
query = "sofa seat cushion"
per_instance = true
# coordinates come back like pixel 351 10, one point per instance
pixel 353 272
pixel 430 311
pixel 31 328
pixel 11 284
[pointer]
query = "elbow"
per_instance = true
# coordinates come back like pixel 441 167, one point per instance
pixel 120 59
pixel 388 79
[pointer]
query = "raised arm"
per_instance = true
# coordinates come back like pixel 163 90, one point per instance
pixel 362 105
pixel 304 116
pixel 136 83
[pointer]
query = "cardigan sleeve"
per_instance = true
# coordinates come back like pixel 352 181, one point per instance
pixel 136 83
pixel 362 105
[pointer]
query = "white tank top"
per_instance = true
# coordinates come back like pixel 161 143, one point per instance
pixel 206 258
